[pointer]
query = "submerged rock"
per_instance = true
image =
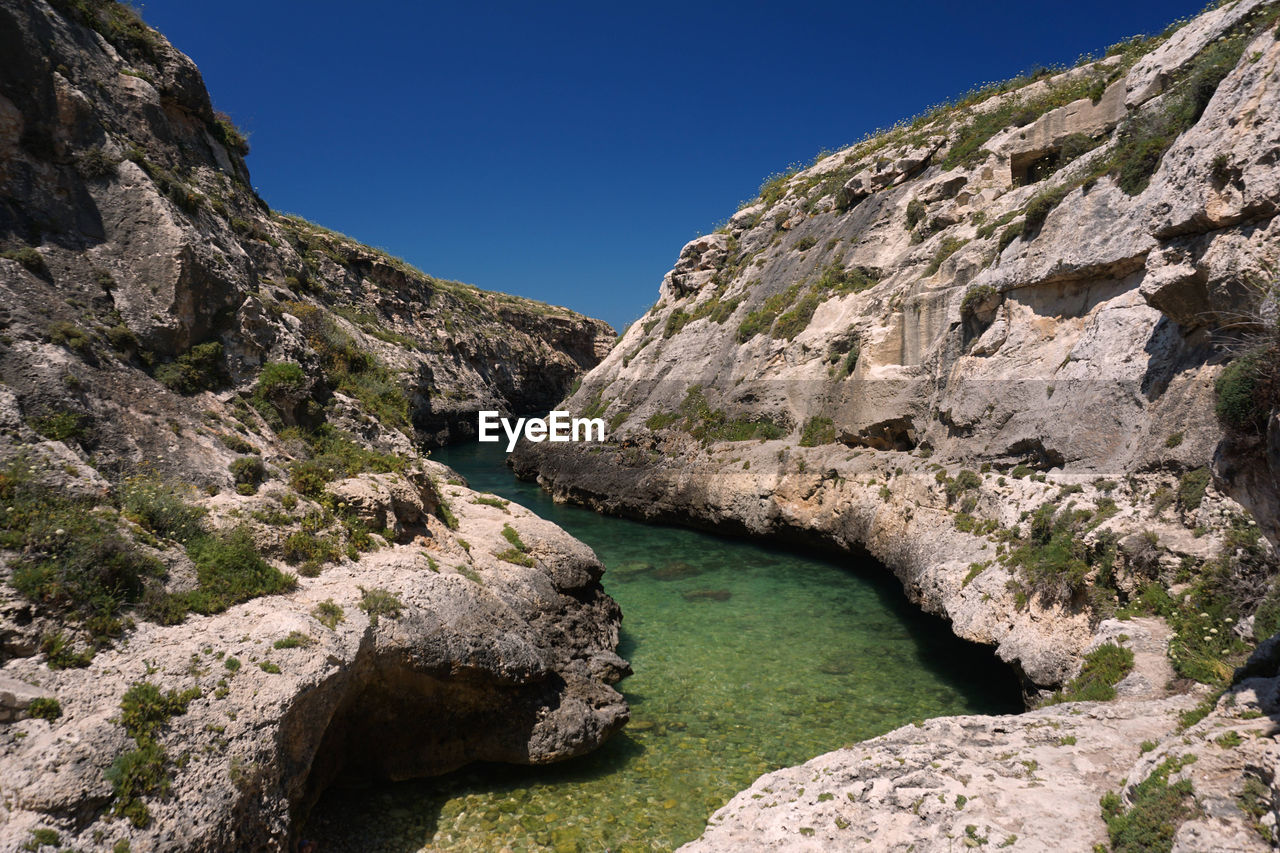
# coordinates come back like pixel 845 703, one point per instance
pixel 676 570
pixel 707 595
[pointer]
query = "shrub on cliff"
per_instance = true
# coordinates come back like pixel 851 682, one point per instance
pixel 818 430
pixel 230 570
pixel 75 563
pixel 1247 390
pixel 1158 809
pixel 1103 669
pixel 200 369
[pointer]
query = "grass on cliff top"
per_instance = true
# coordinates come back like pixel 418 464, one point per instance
pixel 309 237
pixel 1143 139
pixel 978 128
pixel 118 23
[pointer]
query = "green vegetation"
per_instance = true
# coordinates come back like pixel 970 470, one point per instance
pixel 696 417
pixel 834 278
pixel 818 430
pixel 446 515
pixel 311 550
pixel 518 553
pixel 1041 205
pixel 351 370
pixel 1143 139
pixel 143 771
pixel 509 533
pixel 118 23
pixel 44 708
pixel 200 369
pixel 760 320
pixel 95 164
pixel 30 258
pixel 948 247
pixel 1255 800
pixel 974 297
pixel 783 317
pixel 1053 554
pixel 328 613
pixel 379 602
pixel 1191 488
pixel 1247 390
pixel 1104 668
pixel 74 562
pixel 71 336
pixel 796 320
pixel 236 444
pixel 248 471
pixel 225 131
pixel 1221 591
pixel 916 212
pixel 60 425
pixel 1158 809
pixel 230 570
pixel 42 838
pixel 676 321
pixel 1013 232
pixel 1015 111
pixel 269 667
pixel 333 455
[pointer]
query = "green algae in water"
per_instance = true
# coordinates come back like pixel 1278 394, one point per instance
pixel 746 659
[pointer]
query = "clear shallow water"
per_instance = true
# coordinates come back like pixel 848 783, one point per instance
pixel 747 658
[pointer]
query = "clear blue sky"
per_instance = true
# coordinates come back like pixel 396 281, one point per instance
pixel 567 150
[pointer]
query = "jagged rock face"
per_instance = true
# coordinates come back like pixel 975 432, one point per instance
pixel 144 238
pixel 1002 284
pixel 482 660
pixel 275 382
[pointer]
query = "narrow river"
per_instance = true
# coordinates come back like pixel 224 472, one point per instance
pixel 747 658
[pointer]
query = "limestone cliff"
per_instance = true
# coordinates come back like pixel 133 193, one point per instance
pixel 228 573
pixel 1023 350
pixel 1015 305
pixel 133 239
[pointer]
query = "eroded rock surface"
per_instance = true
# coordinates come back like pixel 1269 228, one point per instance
pixel 478 659
pixel 947 342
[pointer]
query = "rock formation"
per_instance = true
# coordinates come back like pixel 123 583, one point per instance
pixel 228 573
pixel 1021 349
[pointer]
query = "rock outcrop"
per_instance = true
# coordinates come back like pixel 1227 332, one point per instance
pixel 1031 782
pixel 228 574
pixel 415 660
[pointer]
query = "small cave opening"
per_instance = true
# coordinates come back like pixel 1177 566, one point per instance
pixel 391 721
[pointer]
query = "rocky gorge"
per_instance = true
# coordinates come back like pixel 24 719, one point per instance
pixel 231 575
pixel 1022 350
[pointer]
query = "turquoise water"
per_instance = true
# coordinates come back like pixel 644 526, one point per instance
pixel 747 658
